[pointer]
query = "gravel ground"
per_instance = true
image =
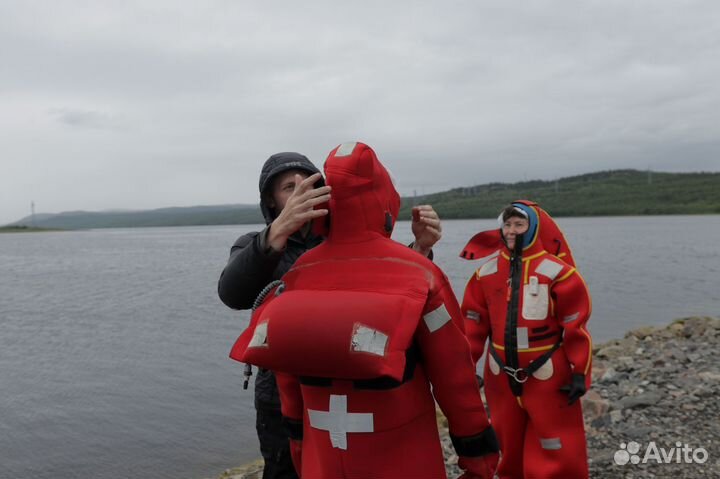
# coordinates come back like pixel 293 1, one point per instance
pixel 652 406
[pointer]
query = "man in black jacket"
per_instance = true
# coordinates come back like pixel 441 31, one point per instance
pixel 290 187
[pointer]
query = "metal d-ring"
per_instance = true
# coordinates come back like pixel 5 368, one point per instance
pixel 520 375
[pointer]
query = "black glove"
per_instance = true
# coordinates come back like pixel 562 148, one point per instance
pixel 576 389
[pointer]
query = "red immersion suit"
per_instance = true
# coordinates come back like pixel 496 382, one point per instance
pixel 357 334
pixel 542 313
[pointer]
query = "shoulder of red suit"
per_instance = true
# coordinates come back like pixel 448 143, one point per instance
pixel 543 263
pixel 552 267
pixel 384 249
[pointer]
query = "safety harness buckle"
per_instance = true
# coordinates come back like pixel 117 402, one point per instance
pixel 520 375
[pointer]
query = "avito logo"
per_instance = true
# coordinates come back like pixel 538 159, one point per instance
pixel 681 453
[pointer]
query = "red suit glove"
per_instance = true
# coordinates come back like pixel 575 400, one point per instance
pixel 576 389
pixel 482 467
pixel 296 454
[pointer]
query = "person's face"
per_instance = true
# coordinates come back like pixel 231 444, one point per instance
pixel 282 187
pixel 512 227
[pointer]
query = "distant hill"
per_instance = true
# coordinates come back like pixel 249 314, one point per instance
pixel 179 216
pixel 23 229
pixel 605 193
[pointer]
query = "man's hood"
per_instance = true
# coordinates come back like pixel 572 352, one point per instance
pixel 279 163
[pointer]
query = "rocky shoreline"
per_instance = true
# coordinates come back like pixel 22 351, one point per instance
pixel 652 411
pixel 656 386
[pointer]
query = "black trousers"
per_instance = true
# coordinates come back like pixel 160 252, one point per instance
pixel 274 445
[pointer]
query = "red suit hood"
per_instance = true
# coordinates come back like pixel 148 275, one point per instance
pixel 547 236
pixel 363 191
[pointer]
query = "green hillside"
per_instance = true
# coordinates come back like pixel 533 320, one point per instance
pixel 187 216
pixel 24 229
pixel 605 193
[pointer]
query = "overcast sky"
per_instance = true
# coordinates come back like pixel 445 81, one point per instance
pixel 139 105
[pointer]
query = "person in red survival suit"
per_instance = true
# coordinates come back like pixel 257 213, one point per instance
pixel 289 185
pixel 534 307
pixel 357 333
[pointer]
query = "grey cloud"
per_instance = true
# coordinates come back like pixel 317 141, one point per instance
pixel 86 118
pixel 448 94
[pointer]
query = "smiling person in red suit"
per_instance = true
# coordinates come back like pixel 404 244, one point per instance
pixel 528 299
pixel 365 335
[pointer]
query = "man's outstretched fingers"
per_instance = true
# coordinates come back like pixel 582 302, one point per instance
pixel 301 186
pixel 312 214
pixel 318 200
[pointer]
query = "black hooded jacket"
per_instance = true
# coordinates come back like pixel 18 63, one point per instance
pixel 252 264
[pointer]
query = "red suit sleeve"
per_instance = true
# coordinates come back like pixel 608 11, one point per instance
pixel 291 404
pixel 290 396
pixel 448 363
pixel 477 319
pixel 572 309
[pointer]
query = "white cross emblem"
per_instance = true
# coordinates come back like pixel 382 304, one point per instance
pixel 338 422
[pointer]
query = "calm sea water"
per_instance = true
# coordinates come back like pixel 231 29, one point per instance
pixel 113 343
